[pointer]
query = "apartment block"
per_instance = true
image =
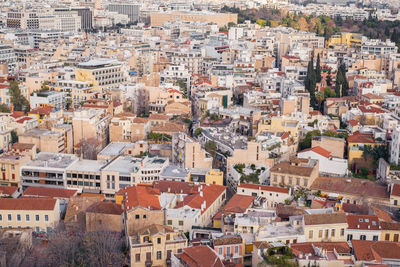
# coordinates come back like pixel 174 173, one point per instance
pixel 10 168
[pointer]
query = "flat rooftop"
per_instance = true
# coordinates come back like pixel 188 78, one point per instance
pixel 97 63
pixel 87 165
pixel 115 148
pixel 52 160
pixel 124 165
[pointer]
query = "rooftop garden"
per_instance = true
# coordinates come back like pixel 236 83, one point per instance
pixel 249 174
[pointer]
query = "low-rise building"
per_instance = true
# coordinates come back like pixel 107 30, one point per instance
pixel 272 195
pixel 363 227
pixel 230 248
pixel 296 172
pixel 10 168
pixel 40 214
pixel 326 227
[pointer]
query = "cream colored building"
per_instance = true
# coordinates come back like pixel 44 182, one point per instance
pixel 296 172
pixel 325 227
pixel 10 168
pixel 273 195
pixel 154 244
pixel 45 140
pixel 40 214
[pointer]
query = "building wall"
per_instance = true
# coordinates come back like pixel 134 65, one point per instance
pixel 317 233
pixel 271 197
pixel 221 19
pixel 335 146
pixel 369 234
pixel 146 218
pixel 103 222
pixel 390 235
pixel 10 174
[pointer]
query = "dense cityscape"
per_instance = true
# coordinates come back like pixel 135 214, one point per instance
pixel 200 133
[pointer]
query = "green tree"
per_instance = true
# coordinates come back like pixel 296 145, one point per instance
pixel 341 85
pixel 14 137
pixel 197 132
pixel 328 92
pixel 4 108
pixel 17 99
pixel 306 142
pixel 318 70
pixel 310 81
pixel 329 78
pixel 320 97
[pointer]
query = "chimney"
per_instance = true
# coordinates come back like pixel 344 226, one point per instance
pixel 358 226
pixel 201 193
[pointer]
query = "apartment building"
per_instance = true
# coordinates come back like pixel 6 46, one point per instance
pixel 296 172
pixel 131 10
pixel 221 19
pixel 187 153
pixel 101 73
pixel 272 195
pixel 154 245
pixel 40 214
pixel 44 140
pixel 90 124
pixel 7 54
pixel 121 127
pixel 85 174
pixel 10 168
pixel 230 248
pixel 22 20
pixel 329 227
pixel 47 170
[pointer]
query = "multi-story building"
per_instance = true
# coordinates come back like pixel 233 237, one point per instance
pixel 272 195
pixel 67 20
pixel 187 153
pixel 7 54
pixel 86 175
pixel 101 73
pixel 154 245
pixel 40 214
pixel 10 168
pixel 130 9
pixel 22 20
pixel 329 227
pixel 221 19
pixel 363 227
pixel 378 47
pixel 296 172
pixel 50 98
pixel 45 140
pixel 86 16
pixel 47 170
pixel 90 124
pixel 230 248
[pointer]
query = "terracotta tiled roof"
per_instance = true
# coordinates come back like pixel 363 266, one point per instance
pixel 176 187
pixel 288 168
pixel 158 117
pixel 105 207
pixel 239 203
pixel 364 250
pixel 396 190
pixel 42 110
pixel 140 120
pixel 17 114
pixel 227 240
pixel 306 248
pixel 262 245
pixel 358 137
pixel 200 256
pixel 169 127
pixel 319 150
pixel 362 222
pixel 381 214
pixel 155 229
pixel 26 118
pixel 8 190
pixel 22 146
pixel 353 122
pixel 353 186
pixel 390 226
pixel 141 196
pixel 264 188
pixel 355 208
pixel 27 203
pixel 49 192
pixel 329 218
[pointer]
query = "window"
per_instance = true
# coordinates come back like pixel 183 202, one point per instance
pixel 333 232
pixel 310 234
pixel 19 217
pixel 137 257
pixel 320 234
pixel 326 233
pixel 375 238
pixel 180 223
pixel 37 217
pixel 137 216
pixel 373 222
pixel 396 238
pixel 387 237
pixel 363 237
pixel 342 232
pixel 144 216
pixel 46 218
pixel 27 218
pixel 236 249
pixel 349 237
pixel 158 255
pixel 169 222
pixel 159 240
pixel 360 220
pixel 9 217
pixel 305 182
pixel 220 251
pixel 228 251
pixel 1 217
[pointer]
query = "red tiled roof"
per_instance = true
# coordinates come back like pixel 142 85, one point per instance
pixel 200 256
pixel 358 137
pixel 27 203
pixel 105 207
pixel 319 150
pixel 285 135
pixel 24 119
pixel 366 250
pixel 210 194
pixel 371 109
pixel 176 187
pixel 42 110
pixel 239 203
pixel 396 190
pixel 362 222
pixel 158 117
pixel 49 192
pixel 306 248
pixel 353 122
pixel 17 114
pixel 140 120
pixel 141 196
pixel 264 188
pixel 8 190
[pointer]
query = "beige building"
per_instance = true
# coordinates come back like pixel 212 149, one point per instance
pixel 332 144
pixel 10 168
pixel 45 140
pixel 221 19
pixel 40 214
pixel 104 216
pixel 90 124
pixel 296 172
pixel 326 227
pixel 273 195
pixel 188 153
pixel 121 127
pixel 154 245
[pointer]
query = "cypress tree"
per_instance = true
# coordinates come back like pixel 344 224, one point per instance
pixel 318 69
pixel 329 78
